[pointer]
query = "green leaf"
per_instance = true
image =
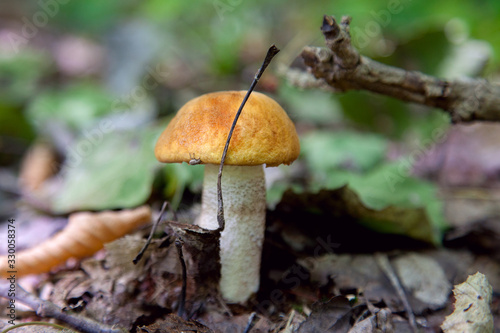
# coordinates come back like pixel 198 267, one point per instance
pixel 347 202
pixel 178 177
pixel 325 151
pixel 114 172
pixel 10 115
pixel 92 16
pixel 404 204
pixel 78 107
pixel 274 193
pixel 314 106
pixel 20 76
pixel 381 195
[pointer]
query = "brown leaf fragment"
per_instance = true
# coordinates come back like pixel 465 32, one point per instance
pixel 201 253
pixel 472 307
pixel 72 286
pixel 174 324
pixel 352 224
pixel 85 234
pixel 331 316
pixel 117 292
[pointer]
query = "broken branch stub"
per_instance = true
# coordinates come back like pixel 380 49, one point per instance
pixel 343 68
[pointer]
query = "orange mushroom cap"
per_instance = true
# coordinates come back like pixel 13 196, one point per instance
pixel 263 134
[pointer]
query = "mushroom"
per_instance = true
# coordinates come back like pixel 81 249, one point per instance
pixel 264 135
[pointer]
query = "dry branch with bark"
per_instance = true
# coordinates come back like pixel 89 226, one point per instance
pixel 342 67
pixel 46 309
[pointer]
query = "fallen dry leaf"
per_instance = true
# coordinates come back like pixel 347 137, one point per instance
pixel 85 234
pixel 358 272
pixel 342 213
pixel 114 291
pixel 174 324
pixel 426 290
pixel 472 307
pixel 331 316
pixel 423 278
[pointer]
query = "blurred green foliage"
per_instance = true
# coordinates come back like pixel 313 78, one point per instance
pixel 311 106
pixel 92 16
pixel 179 177
pixel 20 79
pixel 20 76
pixel 77 107
pixel 325 151
pixel 359 161
pixel 115 170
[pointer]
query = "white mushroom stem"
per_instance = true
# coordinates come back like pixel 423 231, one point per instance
pixel 244 196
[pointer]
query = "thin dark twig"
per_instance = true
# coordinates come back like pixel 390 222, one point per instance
pixel 50 310
pixel 150 237
pixel 39 323
pixel 182 301
pixel 384 264
pixel 273 50
pixel 251 322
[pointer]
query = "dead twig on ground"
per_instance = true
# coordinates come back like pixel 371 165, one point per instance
pixel 342 67
pixel 182 300
pixel 251 322
pixel 47 309
pixel 151 234
pixel 384 264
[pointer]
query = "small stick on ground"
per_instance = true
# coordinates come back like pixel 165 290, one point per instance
pixel 251 322
pixel 39 323
pixel 150 237
pixel 175 218
pixel 289 327
pixel 223 305
pixel 47 309
pixel 182 299
pixel 384 264
pixel 273 50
